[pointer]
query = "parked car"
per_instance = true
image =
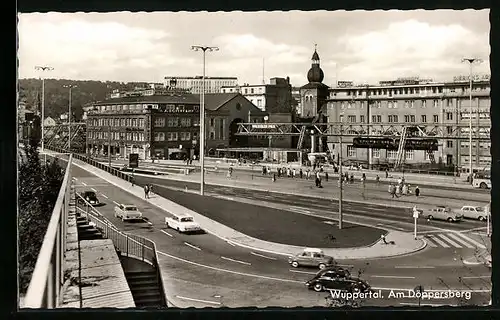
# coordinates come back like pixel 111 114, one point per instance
pixel 473 212
pixel 327 282
pixel 311 257
pixel 182 223
pixel 442 213
pixel 89 196
pixel 127 212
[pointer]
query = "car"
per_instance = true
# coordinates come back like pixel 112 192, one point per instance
pixel 127 212
pixel 311 257
pixel 442 213
pixel 473 212
pixel 182 223
pixel 89 196
pixel 327 282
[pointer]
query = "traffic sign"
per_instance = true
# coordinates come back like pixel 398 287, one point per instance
pixel 133 160
pixel 415 214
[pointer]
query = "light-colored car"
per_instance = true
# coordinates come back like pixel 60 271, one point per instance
pixel 127 212
pixel 311 257
pixel 442 213
pixel 473 212
pixel 182 223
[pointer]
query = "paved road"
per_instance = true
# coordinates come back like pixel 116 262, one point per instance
pixel 198 266
pixel 316 209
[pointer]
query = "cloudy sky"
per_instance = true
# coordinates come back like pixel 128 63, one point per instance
pixel 357 45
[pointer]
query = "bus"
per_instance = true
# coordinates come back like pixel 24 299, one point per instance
pixel 482 180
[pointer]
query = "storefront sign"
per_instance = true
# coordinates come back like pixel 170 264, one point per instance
pixel 171 108
pixel 476 77
pixel 345 84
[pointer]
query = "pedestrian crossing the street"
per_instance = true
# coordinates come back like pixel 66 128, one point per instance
pixel 452 240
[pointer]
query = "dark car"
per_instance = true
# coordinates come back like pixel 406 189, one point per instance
pixel 333 281
pixel 90 197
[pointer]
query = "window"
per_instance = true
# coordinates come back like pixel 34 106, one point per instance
pixel 389 105
pixel 160 122
pixel 185 136
pixel 423 104
pixel 393 118
pixel 172 136
pixel 412 104
pixel 435 118
pixel 449 144
pixel 449 116
pixel 341 118
pixel 379 118
pixel 407 104
pixel 134 122
pixel 362 119
pixel 212 135
pixel 212 122
pixel 173 122
pixel 391 154
pixel 409 154
pixel 116 122
pixel 427 157
pixel 351 119
pixel 141 122
pixel 449 130
pixel 412 118
pixel 423 118
pixel 407 118
pixel 259 102
pixel 128 122
pixel 351 151
pixel 251 90
pixel 374 119
pixel 185 122
pixel 376 153
pixel 395 104
pixel 436 103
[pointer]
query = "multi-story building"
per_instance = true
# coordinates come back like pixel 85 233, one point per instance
pixel 195 84
pixel 414 101
pixel 167 126
pixel 275 97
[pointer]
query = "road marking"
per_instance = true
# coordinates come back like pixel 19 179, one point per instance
pixel 263 256
pixel 440 242
pixel 477 277
pixel 394 277
pixel 105 196
pixel 473 229
pixel 192 246
pixel 224 197
pixel 198 300
pixel 168 234
pixel 238 261
pixel 84 183
pixel 299 210
pixel 450 240
pixel 461 239
pixel 93 189
pixel 391 226
pixel 116 203
pixel 414 267
pixel 479 245
pixel 329 222
pixel 306 272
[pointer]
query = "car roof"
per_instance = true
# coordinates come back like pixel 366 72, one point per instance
pixel 129 205
pixel 313 250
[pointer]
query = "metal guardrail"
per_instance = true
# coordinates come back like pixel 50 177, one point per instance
pixel 44 290
pixel 128 244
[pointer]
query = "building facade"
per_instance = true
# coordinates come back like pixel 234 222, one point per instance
pixel 275 97
pixel 195 84
pixel 414 101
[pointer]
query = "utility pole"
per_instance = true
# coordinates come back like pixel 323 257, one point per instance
pixel 202 116
pixel 368 115
pixel 69 114
pixel 471 61
pixel 340 178
pixel 43 68
pixel 109 143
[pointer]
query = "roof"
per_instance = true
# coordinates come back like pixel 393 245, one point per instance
pixel 315 55
pixel 314 85
pixel 214 101
pixel 187 98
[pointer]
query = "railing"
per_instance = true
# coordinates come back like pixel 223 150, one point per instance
pixel 128 244
pixel 44 290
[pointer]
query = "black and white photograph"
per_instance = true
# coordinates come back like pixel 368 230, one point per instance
pixel 254 159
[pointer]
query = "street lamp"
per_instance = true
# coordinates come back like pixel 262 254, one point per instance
pixel 70 86
pixel 43 68
pixel 202 115
pixel 471 61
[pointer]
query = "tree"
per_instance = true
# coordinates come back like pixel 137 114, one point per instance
pixel 39 185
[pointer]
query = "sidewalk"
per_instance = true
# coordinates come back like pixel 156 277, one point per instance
pixel 330 190
pixel 404 242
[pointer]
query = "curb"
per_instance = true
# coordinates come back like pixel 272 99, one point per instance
pixel 230 241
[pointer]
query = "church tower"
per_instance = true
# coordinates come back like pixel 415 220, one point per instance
pixel 314 94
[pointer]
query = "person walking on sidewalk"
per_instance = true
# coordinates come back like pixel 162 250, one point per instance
pixel 417 191
pixel 326 176
pixel 318 179
pixel 288 172
pixel 146 192
pixel 308 174
pixel 274 177
pixel 386 173
pixel 377 179
pixel 294 172
pixel 301 174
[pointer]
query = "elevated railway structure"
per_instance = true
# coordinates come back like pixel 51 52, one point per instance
pixel 58 136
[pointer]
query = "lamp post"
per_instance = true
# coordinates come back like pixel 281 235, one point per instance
pixel 43 68
pixel 70 86
pixel 202 115
pixel 471 61
pixel 341 184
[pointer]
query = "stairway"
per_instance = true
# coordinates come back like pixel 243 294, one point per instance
pixel 85 230
pixel 145 288
pixel 301 137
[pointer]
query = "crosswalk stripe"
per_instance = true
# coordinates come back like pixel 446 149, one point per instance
pixel 461 240
pixel 479 245
pixel 448 240
pixel 436 239
pixel 431 244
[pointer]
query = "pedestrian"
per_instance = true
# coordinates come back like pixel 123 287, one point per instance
pixel 308 174
pixel 417 191
pixel 386 173
pixel 146 191
pixel 301 173
pixel 229 173
pixel 377 179
pixel 293 173
pixel 318 178
pixel 274 177
pixel 268 170
pixel 400 181
pixel 405 189
pixel 150 190
pixel 263 170
pixel 288 172
pixel 279 172
pixel 351 180
pixel 398 190
pixel 393 190
pixel 326 176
